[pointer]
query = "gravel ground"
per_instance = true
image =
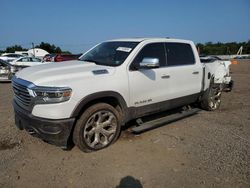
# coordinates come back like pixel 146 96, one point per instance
pixel 210 149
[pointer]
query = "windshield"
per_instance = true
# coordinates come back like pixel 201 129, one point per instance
pixel 109 53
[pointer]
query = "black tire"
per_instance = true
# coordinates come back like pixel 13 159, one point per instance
pixel 92 128
pixel 211 99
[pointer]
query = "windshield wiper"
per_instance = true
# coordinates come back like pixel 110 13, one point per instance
pixel 98 63
pixel 90 60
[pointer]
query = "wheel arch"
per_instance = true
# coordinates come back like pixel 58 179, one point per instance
pixel 110 97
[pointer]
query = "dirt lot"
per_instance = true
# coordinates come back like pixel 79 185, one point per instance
pixel 210 149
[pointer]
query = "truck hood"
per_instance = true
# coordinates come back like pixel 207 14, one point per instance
pixel 60 74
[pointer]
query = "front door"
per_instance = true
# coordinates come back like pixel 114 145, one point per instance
pixel 149 86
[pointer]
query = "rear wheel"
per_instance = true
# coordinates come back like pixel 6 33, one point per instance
pixel 98 127
pixel 211 99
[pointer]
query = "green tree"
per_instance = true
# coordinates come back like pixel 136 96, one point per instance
pixel 51 48
pixel 219 48
pixel 14 48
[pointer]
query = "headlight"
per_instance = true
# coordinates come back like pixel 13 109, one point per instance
pixel 50 94
pixel 13 69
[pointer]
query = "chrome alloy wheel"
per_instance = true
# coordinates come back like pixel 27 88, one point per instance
pixel 100 129
pixel 215 99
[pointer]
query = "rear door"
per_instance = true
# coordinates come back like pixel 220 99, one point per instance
pixel 185 73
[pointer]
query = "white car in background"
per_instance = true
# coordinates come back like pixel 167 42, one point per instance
pixel 26 62
pixel 10 56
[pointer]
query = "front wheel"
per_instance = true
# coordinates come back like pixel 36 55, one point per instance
pixel 98 127
pixel 211 99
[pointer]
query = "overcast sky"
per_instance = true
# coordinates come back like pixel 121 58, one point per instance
pixel 77 25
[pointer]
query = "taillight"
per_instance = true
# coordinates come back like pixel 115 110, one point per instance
pixel 234 62
pixel 58 59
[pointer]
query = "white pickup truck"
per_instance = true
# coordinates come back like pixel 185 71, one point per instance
pixel 88 100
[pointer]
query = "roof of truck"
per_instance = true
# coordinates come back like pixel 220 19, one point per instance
pixel 150 39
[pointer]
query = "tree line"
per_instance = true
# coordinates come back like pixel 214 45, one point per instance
pixel 208 48
pixel 219 48
pixel 50 48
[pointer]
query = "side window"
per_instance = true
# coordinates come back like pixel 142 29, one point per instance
pixel 154 50
pixel 25 60
pixel 179 54
pixel 35 60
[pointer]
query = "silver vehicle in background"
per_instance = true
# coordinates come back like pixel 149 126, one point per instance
pixel 10 56
pixel 7 71
pixel 26 62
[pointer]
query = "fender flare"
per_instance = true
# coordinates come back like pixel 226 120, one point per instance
pixel 100 95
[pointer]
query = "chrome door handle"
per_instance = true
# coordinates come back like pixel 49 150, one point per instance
pixel 165 76
pixel 195 72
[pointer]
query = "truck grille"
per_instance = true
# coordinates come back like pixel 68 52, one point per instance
pixel 21 93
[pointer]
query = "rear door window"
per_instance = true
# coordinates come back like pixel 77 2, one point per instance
pixel 179 54
pixel 35 60
pixel 25 60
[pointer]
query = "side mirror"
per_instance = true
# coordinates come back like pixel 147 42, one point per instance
pixel 150 63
